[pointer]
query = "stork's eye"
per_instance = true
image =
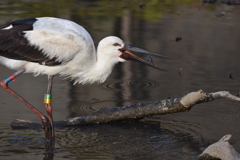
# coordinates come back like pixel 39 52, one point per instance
pixel 117 44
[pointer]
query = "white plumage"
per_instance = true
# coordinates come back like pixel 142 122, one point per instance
pixel 74 47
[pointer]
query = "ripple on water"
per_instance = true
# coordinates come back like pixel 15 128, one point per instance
pixel 79 107
pixel 117 99
pixel 89 107
pixel 133 84
pixel 148 140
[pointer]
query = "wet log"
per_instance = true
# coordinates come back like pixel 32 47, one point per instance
pixel 134 111
pixel 220 150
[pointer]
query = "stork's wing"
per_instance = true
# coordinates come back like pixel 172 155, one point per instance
pixel 14 45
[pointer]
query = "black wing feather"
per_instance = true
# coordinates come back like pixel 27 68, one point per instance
pixel 24 21
pixel 14 45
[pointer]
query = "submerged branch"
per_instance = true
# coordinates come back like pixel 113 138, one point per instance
pixel 135 111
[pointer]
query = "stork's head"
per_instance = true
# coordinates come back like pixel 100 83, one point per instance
pixel 116 49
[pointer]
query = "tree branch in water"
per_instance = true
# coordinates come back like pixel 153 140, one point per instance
pixel 134 111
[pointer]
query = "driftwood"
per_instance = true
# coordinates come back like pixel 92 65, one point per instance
pixel 134 111
pixel 220 150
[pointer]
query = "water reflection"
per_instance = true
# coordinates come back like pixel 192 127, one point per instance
pixel 80 11
pixel 125 140
pixel 207 53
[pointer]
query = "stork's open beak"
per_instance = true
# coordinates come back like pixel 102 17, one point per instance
pixel 130 56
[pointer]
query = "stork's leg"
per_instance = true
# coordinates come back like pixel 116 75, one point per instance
pixel 48 107
pixel 44 119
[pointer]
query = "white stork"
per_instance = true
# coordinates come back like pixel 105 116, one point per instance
pixel 53 46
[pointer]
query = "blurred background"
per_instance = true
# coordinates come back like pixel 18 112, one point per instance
pixel 202 38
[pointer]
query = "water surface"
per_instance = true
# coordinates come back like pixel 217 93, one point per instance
pixel 207 53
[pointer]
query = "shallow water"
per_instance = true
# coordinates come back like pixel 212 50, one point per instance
pixel 207 53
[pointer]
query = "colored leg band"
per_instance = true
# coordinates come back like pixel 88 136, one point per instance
pixel 10 79
pixel 47 98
